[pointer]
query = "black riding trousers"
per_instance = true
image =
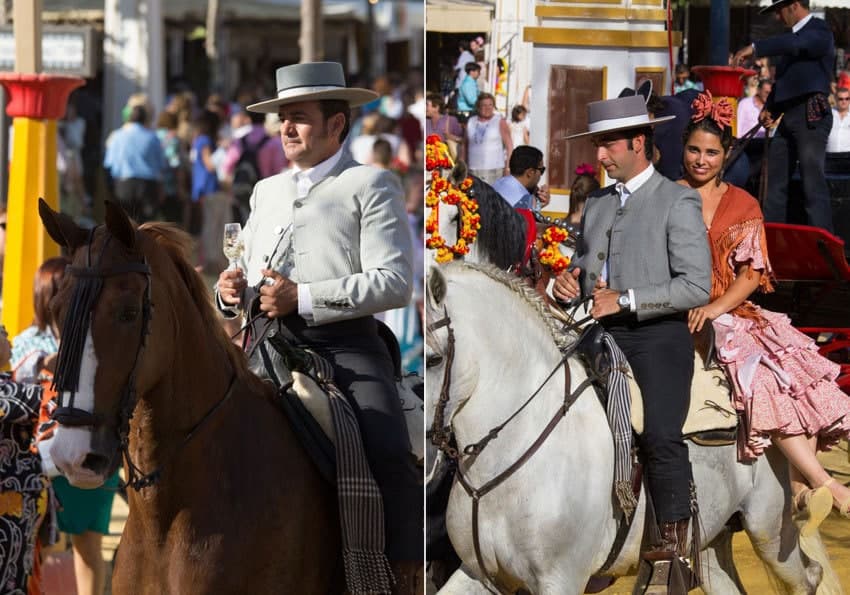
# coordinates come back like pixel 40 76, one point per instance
pixel 661 355
pixel 364 373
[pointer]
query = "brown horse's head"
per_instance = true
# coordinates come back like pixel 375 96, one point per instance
pixel 137 326
pixel 102 311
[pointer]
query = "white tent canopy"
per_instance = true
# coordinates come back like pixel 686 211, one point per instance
pixel 459 16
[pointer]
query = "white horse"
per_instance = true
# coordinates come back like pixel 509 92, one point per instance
pixel 551 524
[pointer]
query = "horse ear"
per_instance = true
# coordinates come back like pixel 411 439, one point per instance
pixel 436 286
pixel 119 224
pixel 61 227
pixel 458 173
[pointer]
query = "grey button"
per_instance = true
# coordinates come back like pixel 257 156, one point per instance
pixel 601 256
pixel 297 204
pixel 277 231
pixel 592 276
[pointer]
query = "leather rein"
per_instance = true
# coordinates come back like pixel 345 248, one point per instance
pixel 66 378
pixel 442 436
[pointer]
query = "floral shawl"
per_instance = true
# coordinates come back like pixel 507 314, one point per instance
pixel 738 219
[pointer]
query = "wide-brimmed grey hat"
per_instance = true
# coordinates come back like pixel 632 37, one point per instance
pixel 312 81
pixel 776 4
pixel 622 113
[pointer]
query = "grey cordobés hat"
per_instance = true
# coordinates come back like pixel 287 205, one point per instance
pixel 622 113
pixel 312 81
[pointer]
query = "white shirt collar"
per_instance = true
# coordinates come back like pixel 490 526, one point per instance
pixel 801 23
pixel 636 182
pixel 307 178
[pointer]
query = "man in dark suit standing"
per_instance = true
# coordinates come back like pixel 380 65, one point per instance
pixel 806 55
pixel 645 260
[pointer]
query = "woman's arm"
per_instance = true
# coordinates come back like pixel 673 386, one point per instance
pixel 206 157
pixel 746 282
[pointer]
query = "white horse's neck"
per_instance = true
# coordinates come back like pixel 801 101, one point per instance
pixel 506 342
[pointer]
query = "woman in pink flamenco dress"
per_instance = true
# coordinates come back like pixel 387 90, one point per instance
pixel 783 387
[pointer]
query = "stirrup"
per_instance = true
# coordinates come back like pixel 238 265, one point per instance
pixel 810 508
pixel 664 577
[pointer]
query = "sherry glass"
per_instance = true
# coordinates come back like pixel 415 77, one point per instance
pixel 233 244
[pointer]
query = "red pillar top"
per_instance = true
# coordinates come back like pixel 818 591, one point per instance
pixel 38 96
pixel 723 81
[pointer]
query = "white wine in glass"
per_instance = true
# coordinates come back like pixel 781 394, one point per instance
pixel 233 244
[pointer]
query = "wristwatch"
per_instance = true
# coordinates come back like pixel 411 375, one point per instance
pixel 624 301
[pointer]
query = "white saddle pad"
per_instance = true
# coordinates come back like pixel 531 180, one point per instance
pixel 711 405
pixel 316 402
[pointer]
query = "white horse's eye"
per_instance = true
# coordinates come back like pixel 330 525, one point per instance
pixel 433 360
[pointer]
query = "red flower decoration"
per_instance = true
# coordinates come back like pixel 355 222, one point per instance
pixel 720 112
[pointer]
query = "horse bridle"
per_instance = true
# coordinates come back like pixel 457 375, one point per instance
pixel 69 359
pixel 441 434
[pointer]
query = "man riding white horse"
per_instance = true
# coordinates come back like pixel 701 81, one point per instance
pixel 645 260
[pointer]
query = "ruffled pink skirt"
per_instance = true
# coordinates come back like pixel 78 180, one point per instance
pixel 781 384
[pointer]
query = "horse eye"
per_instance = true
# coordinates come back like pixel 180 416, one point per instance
pixel 433 360
pixel 128 315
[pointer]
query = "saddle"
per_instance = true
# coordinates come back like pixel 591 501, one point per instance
pixel 711 420
pixel 272 357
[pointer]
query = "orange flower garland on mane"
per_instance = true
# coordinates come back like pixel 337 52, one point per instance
pixel 550 255
pixel 441 190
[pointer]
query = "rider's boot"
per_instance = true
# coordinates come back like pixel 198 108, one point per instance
pixel 408 577
pixel 669 571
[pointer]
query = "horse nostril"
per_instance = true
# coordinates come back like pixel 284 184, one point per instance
pixel 97 463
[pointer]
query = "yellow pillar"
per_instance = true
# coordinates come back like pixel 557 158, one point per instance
pixel 32 175
pixel 36 102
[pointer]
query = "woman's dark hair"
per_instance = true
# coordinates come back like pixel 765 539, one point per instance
pixel 582 186
pixel 517 112
pixel 710 126
pixel 207 123
pixel 48 277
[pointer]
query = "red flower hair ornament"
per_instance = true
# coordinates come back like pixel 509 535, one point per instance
pixel 720 112
pixel 586 169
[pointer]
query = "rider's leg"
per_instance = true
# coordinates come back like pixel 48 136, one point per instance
pixel 805 467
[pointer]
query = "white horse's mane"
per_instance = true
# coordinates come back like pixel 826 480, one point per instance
pixel 563 338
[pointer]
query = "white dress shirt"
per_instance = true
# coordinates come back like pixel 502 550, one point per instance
pixel 839 136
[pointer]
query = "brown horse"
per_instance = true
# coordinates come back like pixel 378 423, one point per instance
pixel 226 499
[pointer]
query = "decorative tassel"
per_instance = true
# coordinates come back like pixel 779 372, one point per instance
pixel 626 497
pixel 696 540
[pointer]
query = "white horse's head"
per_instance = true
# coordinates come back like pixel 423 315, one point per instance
pixel 442 367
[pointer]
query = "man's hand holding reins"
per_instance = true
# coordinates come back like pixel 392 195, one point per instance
pixel 566 285
pixel 604 301
pixel 231 284
pixel 278 294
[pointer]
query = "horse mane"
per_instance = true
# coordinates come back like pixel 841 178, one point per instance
pixel 178 245
pixel 501 239
pixel 563 338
